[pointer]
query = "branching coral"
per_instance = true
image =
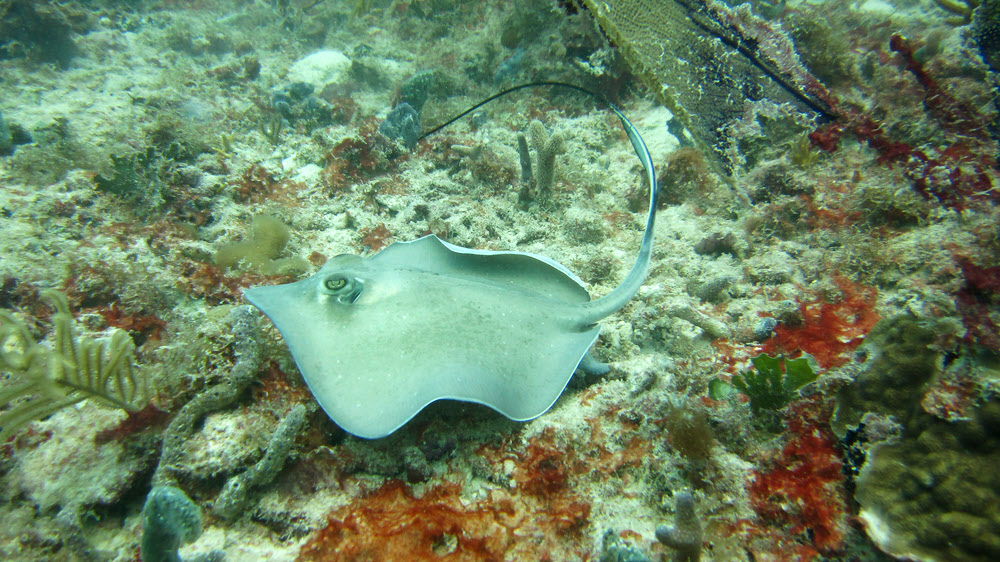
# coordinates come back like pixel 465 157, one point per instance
pixel 73 369
pixel 547 147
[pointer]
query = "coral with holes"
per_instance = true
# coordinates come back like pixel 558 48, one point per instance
pixel 685 535
pixel 828 331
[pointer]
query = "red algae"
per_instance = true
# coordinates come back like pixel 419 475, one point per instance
pixel 394 524
pixel 375 238
pixel 829 330
pixel 976 301
pixel 540 516
pixel 134 422
pixel 800 497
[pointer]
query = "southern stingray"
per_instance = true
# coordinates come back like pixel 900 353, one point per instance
pixel 379 338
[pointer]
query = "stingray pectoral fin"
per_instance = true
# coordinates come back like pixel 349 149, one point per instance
pixel 519 378
pixel 526 386
pixel 286 305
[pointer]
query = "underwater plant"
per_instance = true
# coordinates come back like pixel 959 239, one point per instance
pixel 45 380
pixel 774 384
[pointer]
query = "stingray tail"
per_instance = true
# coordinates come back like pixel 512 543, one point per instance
pixel 610 303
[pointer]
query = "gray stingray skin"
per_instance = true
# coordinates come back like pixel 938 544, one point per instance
pixel 377 339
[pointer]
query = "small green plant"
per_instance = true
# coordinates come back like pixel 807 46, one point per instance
pixel 43 380
pixel 775 382
pixel 801 152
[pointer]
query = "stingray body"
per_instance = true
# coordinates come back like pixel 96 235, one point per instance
pixel 377 339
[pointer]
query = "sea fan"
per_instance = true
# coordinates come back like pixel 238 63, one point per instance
pixel 43 380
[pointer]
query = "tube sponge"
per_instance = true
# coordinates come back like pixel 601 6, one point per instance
pixel 171 519
pixel 235 494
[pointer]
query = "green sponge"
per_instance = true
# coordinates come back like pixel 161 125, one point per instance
pixel 170 520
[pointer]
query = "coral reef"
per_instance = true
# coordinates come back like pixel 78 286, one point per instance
pixel 614 549
pixel 402 124
pixel 828 178
pixel 930 495
pixel 902 361
pixel 40 31
pixel 827 330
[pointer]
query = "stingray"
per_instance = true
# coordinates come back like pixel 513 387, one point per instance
pixel 379 338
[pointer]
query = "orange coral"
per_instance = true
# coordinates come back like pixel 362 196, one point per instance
pixel 541 518
pixel 257 185
pixel 375 237
pixel 395 524
pixel 148 326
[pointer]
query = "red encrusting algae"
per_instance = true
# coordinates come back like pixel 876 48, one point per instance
pixel 828 330
pixel 799 497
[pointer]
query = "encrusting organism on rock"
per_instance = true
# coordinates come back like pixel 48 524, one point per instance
pixel 171 518
pixel 247 348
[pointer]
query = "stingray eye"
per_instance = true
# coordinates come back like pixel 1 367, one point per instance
pixel 334 284
pixel 344 289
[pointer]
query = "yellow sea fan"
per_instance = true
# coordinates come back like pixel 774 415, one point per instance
pixel 43 380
